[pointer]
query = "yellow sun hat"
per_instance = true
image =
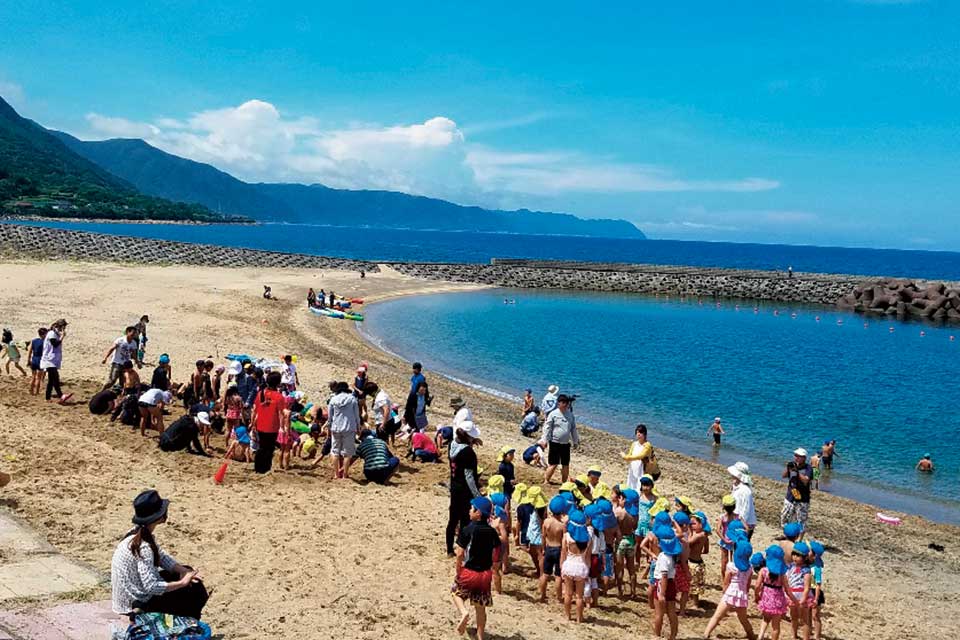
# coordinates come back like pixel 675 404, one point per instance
pixel 600 490
pixel 728 500
pixel 519 490
pixel 568 486
pixel 685 501
pixel 535 497
pixel 495 484
pixel 594 470
pixel 582 479
pixel 662 504
pixel 504 452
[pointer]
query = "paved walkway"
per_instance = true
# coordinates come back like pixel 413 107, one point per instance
pixel 33 568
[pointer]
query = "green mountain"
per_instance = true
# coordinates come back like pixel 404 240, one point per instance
pixel 39 175
pixel 161 174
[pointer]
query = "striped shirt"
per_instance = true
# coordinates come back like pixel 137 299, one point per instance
pixel 374 453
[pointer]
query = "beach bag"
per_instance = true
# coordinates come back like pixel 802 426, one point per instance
pixel 163 626
pixel 652 466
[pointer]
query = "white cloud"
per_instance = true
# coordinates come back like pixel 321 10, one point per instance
pixel 256 142
pixel 13 94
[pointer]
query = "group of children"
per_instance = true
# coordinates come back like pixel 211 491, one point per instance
pixel 590 538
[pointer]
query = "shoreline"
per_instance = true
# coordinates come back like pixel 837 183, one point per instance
pixel 848 487
pixel 75 484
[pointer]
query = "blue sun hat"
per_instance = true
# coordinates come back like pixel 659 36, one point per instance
pixel 631 495
pixel 592 511
pixel 559 505
pixel 578 532
pixel 499 513
pixel 801 548
pixel 577 517
pixel 681 518
pixel 734 527
pixel 818 549
pixel 164 358
pixel 498 499
pixel 667 538
pixel 757 561
pixel 774 551
pixel 775 565
pixel 662 519
pixel 702 517
pixel 241 434
pixel 741 555
pixel 483 505
pixel 792 530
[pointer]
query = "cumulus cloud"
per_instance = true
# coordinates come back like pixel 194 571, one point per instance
pixel 256 142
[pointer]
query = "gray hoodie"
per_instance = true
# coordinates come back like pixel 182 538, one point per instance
pixel 561 428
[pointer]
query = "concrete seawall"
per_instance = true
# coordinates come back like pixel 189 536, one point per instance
pixel 64 244
pixel 867 294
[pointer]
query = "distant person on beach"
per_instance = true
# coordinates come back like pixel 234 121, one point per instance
pixel 144 577
pixel 790 271
pixel 796 505
pixel 162 374
pixel 925 464
pixel 531 422
pixel 267 293
pixel 417 376
pixel 344 423
pixel 549 401
pixel 52 359
pixel 289 378
pixel 415 409
pixel 829 452
pixel 464 479
pixel 12 352
pixel 268 414
pixel 559 433
pixel 642 459
pixel 528 402
pixel 311 298
pixel 816 464
pixel 142 337
pixel 124 349
pixel 184 434
pixel 742 492
pixel 716 429
pixel 34 353
pixel 378 463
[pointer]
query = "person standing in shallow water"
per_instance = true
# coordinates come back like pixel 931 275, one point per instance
pixel 926 464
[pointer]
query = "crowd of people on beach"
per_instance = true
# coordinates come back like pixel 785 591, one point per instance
pixel 579 545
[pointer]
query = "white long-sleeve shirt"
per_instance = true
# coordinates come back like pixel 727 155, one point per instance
pixel 136 578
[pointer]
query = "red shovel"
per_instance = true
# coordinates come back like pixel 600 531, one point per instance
pixel 221 472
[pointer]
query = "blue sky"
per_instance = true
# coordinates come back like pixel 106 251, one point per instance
pixel 809 122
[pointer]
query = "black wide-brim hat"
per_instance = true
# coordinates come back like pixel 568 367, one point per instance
pixel 149 507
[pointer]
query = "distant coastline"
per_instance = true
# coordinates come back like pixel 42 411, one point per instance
pixel 198 223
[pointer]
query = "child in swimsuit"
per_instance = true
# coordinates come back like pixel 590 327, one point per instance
pixel 575 562
pixel 815 560
pixel 553 532
pixel 799 582
pixel 699 544
pixel 771 592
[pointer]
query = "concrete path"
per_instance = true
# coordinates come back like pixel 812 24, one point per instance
pixel 32 568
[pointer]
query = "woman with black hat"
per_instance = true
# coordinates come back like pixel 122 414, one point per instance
pixel 144 577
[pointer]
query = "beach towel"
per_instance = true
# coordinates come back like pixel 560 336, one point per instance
pixel 161 626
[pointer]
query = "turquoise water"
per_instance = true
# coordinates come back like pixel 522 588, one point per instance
pixel 777 376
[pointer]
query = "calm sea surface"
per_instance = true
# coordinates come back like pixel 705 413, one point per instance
pixel 445 246
pixel 779 377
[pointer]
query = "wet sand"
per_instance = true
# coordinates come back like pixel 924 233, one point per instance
pixel 296 554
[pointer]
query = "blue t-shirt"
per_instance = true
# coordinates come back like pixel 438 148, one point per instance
pixel 415 381
pixel 528 453
pixel 36 350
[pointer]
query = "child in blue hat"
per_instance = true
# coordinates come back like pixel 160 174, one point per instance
pixel 800 581
pixel 682 521
pixel 815 560
pixel 553 529
pixel 575 562
pixel 664 574
pixel 476 545
pixel 501 522
pixel 772 591
pixel 736 586
pixel 627 512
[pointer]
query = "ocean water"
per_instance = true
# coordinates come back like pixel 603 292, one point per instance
pixel 446 246
pixel 780 376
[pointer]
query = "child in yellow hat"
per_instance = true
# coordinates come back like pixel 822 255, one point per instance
pixel 528 530
pixel 729 504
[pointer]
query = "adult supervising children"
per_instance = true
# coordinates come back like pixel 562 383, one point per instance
pixel 796 504
pixel 559 433
pixel 641 458
pixel 344 421
pixel 464 479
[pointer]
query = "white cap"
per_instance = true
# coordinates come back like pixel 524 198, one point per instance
pixel 553 389
pixel 717 419
pixel 204 418
pixel 800 452
pixel 469 428
pixel 167 397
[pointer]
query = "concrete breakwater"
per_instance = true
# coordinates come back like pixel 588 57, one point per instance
pixel 47 242
pixel 638 278
pixel 904 298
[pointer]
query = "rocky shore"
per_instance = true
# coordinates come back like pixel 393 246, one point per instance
pixel 936 301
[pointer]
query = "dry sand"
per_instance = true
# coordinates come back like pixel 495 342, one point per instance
pixel 294 554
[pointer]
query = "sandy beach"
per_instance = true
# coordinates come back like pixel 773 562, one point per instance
pixel 294 554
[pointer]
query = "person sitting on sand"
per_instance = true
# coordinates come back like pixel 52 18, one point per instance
pixel 151 404
pixel 531 422
pixel 239 449
pixel 378 463
pixel 422 448
pixel 184 434
pixel 925 464
pixel 267 293
pixel 144 577
pixel 475 549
